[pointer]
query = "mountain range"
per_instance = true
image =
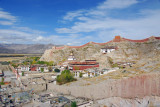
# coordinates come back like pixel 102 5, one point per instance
pixel 25 48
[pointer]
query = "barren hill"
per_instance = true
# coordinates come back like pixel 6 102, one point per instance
pixel 138 81
pixel 127 50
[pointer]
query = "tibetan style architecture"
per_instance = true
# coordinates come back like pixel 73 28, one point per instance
pixel 71 57
pixel 83 65
pixel 108 49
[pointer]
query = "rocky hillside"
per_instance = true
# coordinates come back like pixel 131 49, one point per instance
pixel 127 50
pixel 24 48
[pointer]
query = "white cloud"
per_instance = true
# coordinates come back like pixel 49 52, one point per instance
pixel 93 19
pixel 39 38
pixel 6 18
pixel 71 15
pixel 6 15
pixel 16 36
pixel 114 4
pixel 146 25
pixel 6 23
pixel 102 25
pixel 27 29
pixel 100 10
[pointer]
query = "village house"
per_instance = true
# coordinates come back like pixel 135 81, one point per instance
pixel 90 73
pixel 108 49
pixel 125 64
pixel 35 67
pixel 25 67
pixel 93 72
pixel 86 73
pixel 44 67
pixel 76 73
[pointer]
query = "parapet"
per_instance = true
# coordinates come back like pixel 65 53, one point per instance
pixel 117 39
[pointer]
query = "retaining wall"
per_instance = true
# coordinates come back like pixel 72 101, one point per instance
pixel 139 86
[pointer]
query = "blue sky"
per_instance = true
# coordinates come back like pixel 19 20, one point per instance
pixel 75 22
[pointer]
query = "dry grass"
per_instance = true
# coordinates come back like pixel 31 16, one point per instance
pixel 86 84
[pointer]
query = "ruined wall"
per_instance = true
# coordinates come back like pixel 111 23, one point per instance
pixel 139 86
pixel 36 87
pixel 143 40
pixel 116 39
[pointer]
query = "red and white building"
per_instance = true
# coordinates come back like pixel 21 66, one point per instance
pixel 83 65
pixel 108 49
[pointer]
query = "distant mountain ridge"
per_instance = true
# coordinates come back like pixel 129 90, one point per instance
pixel 25 48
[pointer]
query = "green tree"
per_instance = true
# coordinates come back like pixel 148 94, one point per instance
pixel 22 73
pixel 57 70
pixel 33 62
pixel 50 63
pixel 73 104
pixel 42 69
pixel 2 81
pixel 40 62
pixel 25 63
pixel 65 77
pixel 14 65
pixel 81 74
pixel 36 58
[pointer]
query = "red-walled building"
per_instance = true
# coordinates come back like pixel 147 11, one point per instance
pixel 33 68
pixel 83 65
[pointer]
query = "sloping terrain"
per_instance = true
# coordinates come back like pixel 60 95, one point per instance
pixel 127 50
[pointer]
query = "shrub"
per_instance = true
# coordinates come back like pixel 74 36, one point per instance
pixel 2 83
pixel 42 69
pixel 57 70
pixel 14 65
pixel 74 104
pixel 114 65
pixel 110 60
pixel 22 73
pixel 65 77
pixel 81 74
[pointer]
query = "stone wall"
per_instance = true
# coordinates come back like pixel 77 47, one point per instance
pixel 36 87
pixel 139 86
